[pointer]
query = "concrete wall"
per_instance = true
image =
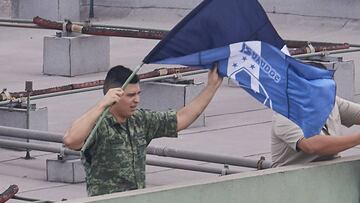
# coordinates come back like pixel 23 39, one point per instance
pixel 49 9
pixel 326 8
pixel 122 8
pixel 5 6
pixel 327 182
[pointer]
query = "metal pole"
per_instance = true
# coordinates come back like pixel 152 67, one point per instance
pixel 21 26
pixel 199 168
pixel 18 100
pixel 236 161
pixel 31 134
pixel 100 87
pixel 65 151
pixel 7 20
pixel 325 53
pixel 354 45
pixel 65 93
pixel 28 89
pixel 91 9
pixel 13 109
pixel 26 21
pixel 46 148
pixel 54 137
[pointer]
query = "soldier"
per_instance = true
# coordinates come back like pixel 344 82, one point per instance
pixel 115 159
pixel 289 146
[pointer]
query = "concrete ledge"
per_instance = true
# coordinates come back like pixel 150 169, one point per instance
pixel 331 181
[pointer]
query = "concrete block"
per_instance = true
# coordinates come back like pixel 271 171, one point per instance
pixel 76 55
pixel 161 96
pixel 344 76
pixel 65 171
pixel 345 79
pixel 12 118
pixel 49 9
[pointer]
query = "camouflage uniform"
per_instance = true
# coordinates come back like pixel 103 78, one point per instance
pixel 115 160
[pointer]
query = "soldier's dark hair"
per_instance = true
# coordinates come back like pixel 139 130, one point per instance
pixel 117 76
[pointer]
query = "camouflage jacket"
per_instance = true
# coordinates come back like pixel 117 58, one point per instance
pixel 115 160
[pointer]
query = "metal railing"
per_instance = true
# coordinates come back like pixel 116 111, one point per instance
pixel 68 92
pixel 168 152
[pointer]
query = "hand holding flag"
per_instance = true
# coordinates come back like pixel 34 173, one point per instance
pixel 223 32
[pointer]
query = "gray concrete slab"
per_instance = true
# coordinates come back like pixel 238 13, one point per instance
pixel 236 125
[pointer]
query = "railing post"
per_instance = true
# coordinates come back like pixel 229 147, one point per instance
pixel 28 89
pixel 91 9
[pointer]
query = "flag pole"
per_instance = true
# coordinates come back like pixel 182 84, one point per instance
pixel 107 110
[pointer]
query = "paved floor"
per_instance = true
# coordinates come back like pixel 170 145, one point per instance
pixel 236 125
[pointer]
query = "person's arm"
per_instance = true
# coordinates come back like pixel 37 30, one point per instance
pixel 187 114
pixel 328 145
pixel 80 129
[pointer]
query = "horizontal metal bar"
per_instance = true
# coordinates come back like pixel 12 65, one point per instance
pixel 199 168
pixel 40 147
pixel 8 20
pixel 65 93
pixel 18 100
pixel 100 87
pixel 27 21
pixel 33 146
pixel 236 161
pixel 58 138
pixel 354 45
pixel 13 109
pixel 31 134
pixel 325 53
pixel 21 25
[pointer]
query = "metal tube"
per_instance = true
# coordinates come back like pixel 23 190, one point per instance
pixel 324 53
pixel 43 96
pixel 91 9
pixel 354 45
pixel 31 134
pixel 7 20
pixel 58 138
pixel 199 168
pixel 100 87
pixel 21 25
pixel 46 148
pixel 33 146
pixel 28 89
pixel 26 21
pixel 65 93
pixel 13 109
pixel 18 100
pixel 236 161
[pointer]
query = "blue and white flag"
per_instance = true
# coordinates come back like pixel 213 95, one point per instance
pixel 240 38
pixel 301 92
pixel 216 23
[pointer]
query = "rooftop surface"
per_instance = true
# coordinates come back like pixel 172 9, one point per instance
pixel 236 124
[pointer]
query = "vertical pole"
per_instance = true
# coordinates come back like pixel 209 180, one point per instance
pixel 91 9
pixel 28 89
